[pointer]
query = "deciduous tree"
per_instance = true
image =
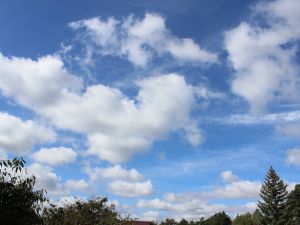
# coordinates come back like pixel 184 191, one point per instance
pixel 20 204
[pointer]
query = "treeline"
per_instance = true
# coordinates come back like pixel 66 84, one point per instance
pixel 276 207
pixel 219 219
pixel 22 204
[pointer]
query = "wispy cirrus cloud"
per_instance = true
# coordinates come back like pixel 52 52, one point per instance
pixel 254 119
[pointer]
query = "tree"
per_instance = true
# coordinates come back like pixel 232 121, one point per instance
pixel 168 222
pixel 256 217
pixel 243 219
pixel 183 222
pixel 20 204
pixel 273 195
pixel 293 207
pixel 218 219
pixel 95 211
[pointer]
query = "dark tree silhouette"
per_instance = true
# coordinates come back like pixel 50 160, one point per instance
pixel 20 204
pixel 273 200
pixel 293 207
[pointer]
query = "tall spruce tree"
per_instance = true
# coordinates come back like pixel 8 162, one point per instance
pixel 273 201
pixel 293 207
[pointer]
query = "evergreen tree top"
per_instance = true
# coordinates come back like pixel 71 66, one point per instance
pixel 273 199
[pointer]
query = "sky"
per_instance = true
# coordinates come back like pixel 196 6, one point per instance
pixel 168 108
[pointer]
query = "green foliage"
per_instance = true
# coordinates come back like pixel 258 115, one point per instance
pixel 168 221
pixel 256 217
pixel 183 222
pixel 92 212
pixel 218 219
pixel 274 197
pixel 292 212
pixel 20 204
pixel 243 219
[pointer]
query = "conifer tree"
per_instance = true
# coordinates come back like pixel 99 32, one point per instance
pixel 293 207
pixel 273 200
pixel 243 219
pixel 256 217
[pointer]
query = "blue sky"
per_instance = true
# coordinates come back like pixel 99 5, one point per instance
pixel 169 108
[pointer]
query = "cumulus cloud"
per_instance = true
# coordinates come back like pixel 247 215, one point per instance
pixel 115 172
pixel 46 179
pixel 131 189
pixel 228 176
pixel 139 40
pixel 55 156
pixel 149 216
pixel 116 126
pixel 242 189
pixel 190 209
pixel 19 136
pixel 293 157
pixel 80 185
pixel 193 205
pixel 36 83
pixel 264 57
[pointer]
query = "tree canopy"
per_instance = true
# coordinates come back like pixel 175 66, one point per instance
pixel 19 202
pixel 95 211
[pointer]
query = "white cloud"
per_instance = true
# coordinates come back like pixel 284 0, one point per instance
pixel 36 83
pixel 20 136
pixel 242 189
pixel 193 205
pixel 149 216
pixel 103 33
pixel 55 156
pixel 140 39
pixel 293 157
pixel 116 126
pixel 266 71
pixel 203 92
pixel 138 122
pixel 67 200
pixel 46 179
pixel 271 118
pixel 114 172
pixel 228 176
pixel 131 189
pixel 290 130
pixel 80 185
pixel 190 209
